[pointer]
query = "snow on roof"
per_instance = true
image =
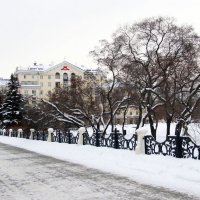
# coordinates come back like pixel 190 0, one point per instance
pixel 41 67
pixel 65 63
pixel 34 67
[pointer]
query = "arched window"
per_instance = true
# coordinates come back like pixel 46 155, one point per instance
pixel 57 75
pixel 73 79
pixel 65 77
pixel 73 75
pixel 65 80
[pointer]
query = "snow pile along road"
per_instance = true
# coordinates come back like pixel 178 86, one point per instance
pixel 182 175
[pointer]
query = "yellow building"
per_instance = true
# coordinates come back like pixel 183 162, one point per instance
pixel 39 82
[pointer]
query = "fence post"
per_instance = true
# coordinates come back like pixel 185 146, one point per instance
pixel 50 135
pixel 10 132
pixel 19 131
pixel 59 136
pixel 80 132
pixel 37 135
pixel 43 135
pixel 69 136
pixel 31 135
pixel 116 144
pixel 97 138
pixel 140 148
pixel 178 145
pixel 199 154
pixel 4 132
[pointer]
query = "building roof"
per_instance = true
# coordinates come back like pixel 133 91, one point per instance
pixel 65 63
pixel 41 68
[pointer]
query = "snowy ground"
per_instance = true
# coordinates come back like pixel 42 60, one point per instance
pixel 27 175
pixel 182 175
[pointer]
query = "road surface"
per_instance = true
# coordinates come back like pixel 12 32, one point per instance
pixel 25 175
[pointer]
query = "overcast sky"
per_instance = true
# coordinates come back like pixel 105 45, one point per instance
pixel 47 31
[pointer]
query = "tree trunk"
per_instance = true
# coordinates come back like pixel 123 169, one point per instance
pixel 169 120
pixel 124 118
pixel 153 130
pixel 178 128
pixel 139 118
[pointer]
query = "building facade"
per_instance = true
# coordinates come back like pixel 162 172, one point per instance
pixel 38 81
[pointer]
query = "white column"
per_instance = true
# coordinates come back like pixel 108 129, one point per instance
pixel 50 135
pixel 140 148
pixel 10 132
pixel 19 131
pixel 80 138
pixel 31 135
pixel 4 132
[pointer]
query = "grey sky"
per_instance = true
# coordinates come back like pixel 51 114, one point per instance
pixel 48 30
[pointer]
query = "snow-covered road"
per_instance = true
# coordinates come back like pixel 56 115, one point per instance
pixel 26 175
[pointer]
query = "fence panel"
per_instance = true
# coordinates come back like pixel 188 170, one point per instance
pixel 40 135
pixel 190 149
pixel 168 147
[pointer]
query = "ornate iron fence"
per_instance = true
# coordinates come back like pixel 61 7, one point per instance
pixel 114 140
pixel 168 147
pixel 39 135
pixel 65 137
pixel 190 149
pixel 176 146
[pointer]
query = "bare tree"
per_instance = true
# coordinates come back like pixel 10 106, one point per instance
pixel 159 60
pixel 110 58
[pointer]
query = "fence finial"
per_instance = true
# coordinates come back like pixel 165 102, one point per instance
pixel 140 148
pixel 81 130
pixel 19 131
pixel 50 135
pixel 10 132
pixel 32 130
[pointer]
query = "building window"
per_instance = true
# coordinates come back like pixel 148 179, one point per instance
pixel 24 76
pixel 65 80
pixel 57 84
pixel 131 121
pixel 34 92
pixel 41 84
pixel 57 75
pixel 41 92
pixel 41 76
pixel 49 76
pixel 32 76
pixel 49 84
pixel 65 77
pixel 73 79
pixel 73 75
pixel 49 93
pixel 33 102
pixel 131 113
pixel 65 84
pixel 25 93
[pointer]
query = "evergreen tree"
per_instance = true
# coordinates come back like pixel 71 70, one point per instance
pixel 12 108
pixel 2 94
